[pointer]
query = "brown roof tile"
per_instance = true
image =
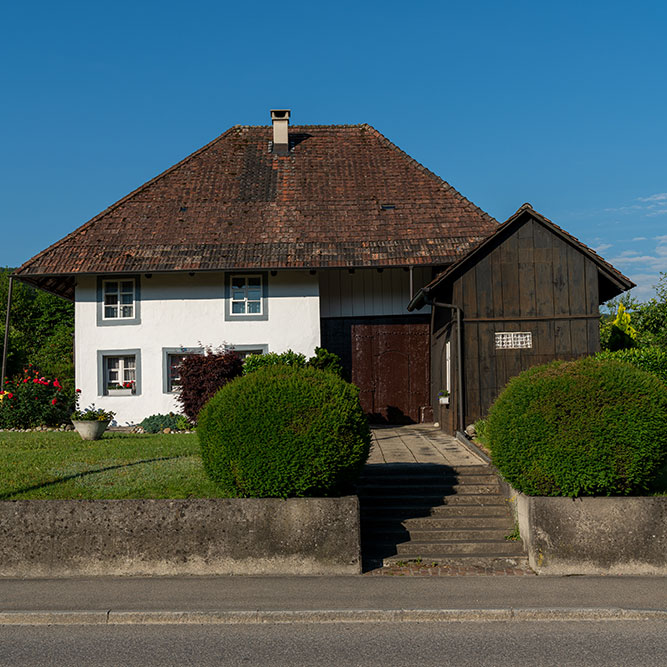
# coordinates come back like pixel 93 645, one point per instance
pixel 234 204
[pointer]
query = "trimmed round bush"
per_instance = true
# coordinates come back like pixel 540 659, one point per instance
pixel 580 428
pixel 284 431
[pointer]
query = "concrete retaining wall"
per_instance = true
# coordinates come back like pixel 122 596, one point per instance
pixel 41 538
pixel 615 535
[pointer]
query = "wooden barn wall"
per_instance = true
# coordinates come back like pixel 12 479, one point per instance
pixel 532 281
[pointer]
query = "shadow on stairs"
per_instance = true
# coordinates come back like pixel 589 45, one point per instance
pixel 436 514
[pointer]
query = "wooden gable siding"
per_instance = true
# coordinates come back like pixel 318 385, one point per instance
pixel 530 281
pixel 368 292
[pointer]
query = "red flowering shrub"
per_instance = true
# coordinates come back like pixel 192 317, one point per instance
pixel 203 375
pixel 34 400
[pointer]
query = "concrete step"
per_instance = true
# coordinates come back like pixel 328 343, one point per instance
pixel 426 490
pixel 386 481
pixel 479 547
pixel 489 561
pixel 439 523
pixel 369 535
pixel 402 513
pixel 419 502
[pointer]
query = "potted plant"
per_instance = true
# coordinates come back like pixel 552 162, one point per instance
pixel 91 422
pixel 443 397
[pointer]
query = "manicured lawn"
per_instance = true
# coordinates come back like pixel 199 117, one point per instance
pixel 62 466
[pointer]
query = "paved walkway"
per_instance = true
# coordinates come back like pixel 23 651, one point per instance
pixel 419 443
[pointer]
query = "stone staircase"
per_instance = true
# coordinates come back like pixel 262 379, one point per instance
pixel 435 514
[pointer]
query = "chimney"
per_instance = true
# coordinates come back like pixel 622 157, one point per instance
pixel 280 120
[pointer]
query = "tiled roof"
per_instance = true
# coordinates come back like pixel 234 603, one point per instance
pixel 235 204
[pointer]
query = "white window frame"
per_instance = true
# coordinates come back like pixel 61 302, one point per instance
pixel 126 371
pixel 118 320
pixel 119 305
pixel 245 301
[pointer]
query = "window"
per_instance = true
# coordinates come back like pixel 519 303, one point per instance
pixel 171 361
pixel 118 300
pixel 119 372
pixel 512 340
pixel 173 370
pixel 246 296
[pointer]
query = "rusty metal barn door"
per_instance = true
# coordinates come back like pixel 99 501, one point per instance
pixel 390 365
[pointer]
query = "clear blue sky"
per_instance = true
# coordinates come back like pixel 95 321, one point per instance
pixel 561 104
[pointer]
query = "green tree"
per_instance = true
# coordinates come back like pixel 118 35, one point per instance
pixel 630 323
pixel 650 318
pixel 41 330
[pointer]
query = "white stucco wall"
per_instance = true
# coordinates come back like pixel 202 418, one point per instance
pixel 178 310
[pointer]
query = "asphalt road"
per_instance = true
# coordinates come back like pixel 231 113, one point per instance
pixel 534 643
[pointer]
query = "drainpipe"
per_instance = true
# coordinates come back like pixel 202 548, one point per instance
pixel 6 345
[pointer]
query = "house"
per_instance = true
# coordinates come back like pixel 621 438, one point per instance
pixel 274 237
pixel 267 238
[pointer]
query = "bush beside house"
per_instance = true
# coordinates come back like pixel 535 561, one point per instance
pixel 169 422
pixel 284 431
pixel 203 375
pixel 587 427
pixel 322 359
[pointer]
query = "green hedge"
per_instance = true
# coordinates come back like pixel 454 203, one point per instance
pixel 158 423
pixel 588 427
pixel 254 362
pixel 652 359
pixel 284 431
pixel 322 359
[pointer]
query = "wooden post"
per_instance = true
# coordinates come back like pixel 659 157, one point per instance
pixel 6 345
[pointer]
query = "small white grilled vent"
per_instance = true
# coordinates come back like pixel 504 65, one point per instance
pixel 513 340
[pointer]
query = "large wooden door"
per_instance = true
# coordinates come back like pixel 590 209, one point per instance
pixel 390 365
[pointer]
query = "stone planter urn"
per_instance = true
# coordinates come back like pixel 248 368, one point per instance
pixel 90 430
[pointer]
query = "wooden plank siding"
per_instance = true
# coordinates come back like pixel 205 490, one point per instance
pixel 368 292
pixel 530 280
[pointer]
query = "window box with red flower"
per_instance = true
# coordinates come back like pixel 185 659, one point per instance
pixel 125 389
